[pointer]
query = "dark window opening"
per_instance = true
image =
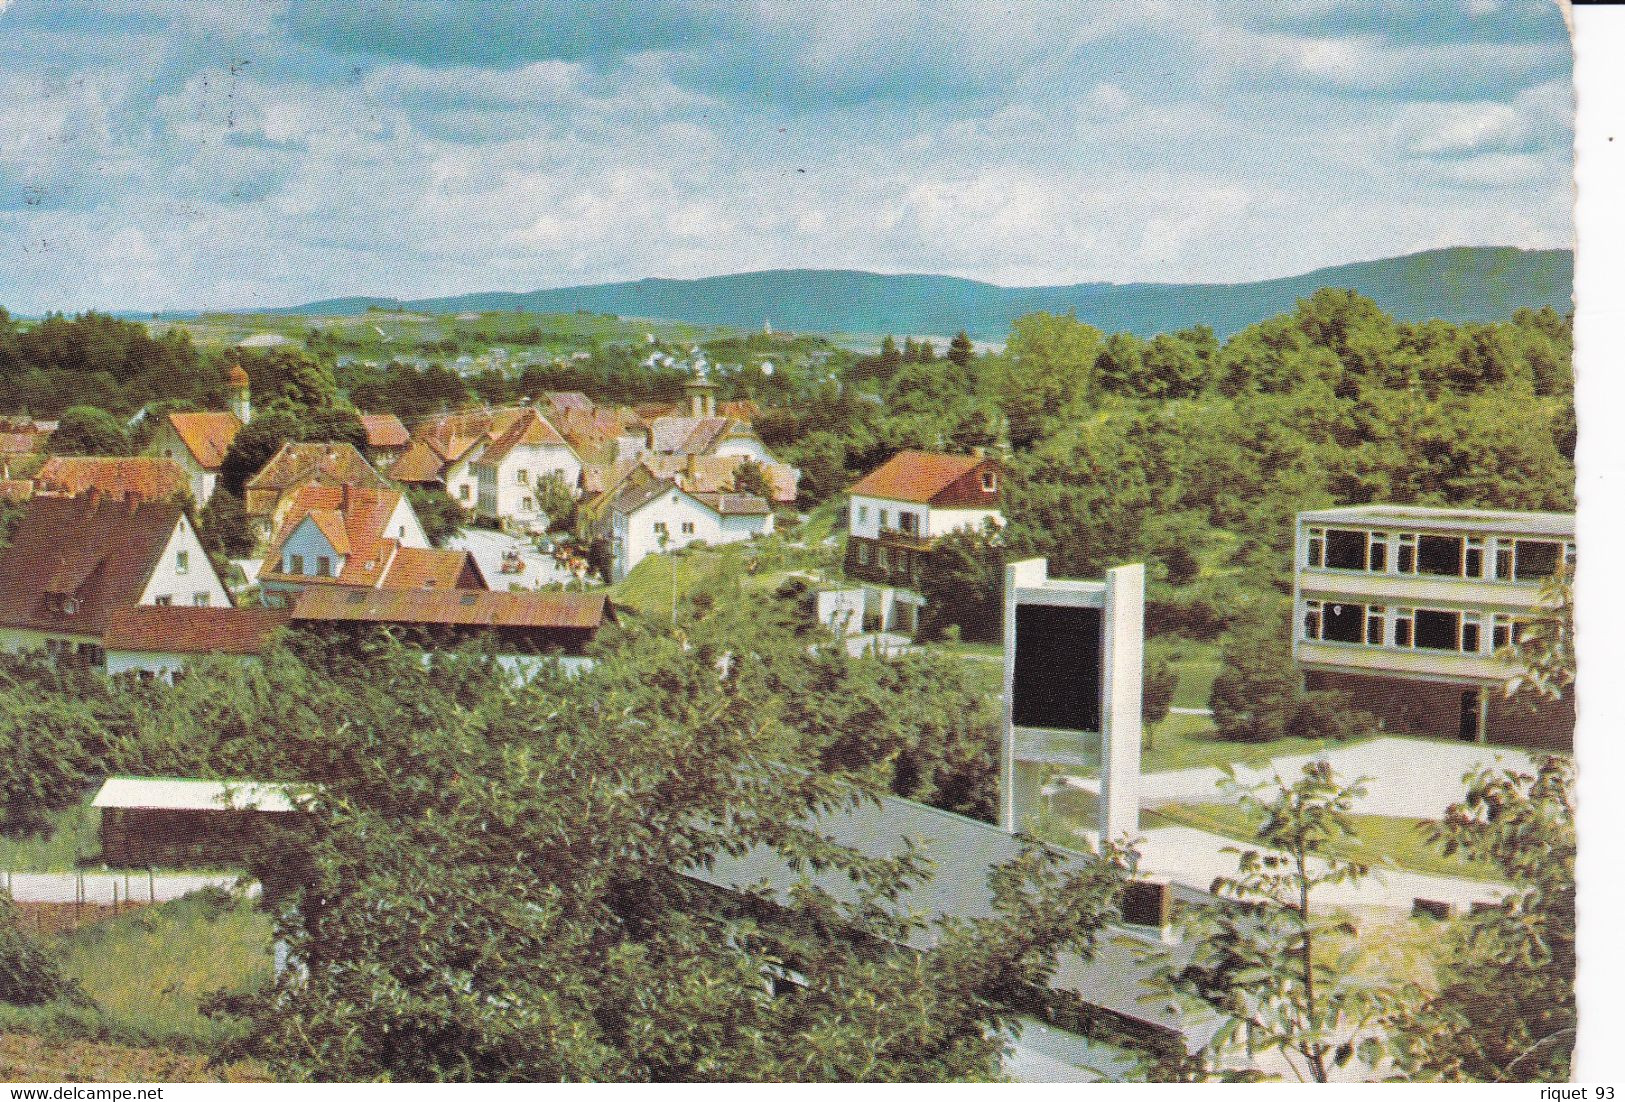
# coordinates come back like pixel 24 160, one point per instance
pixel 1311 622
pixel 1438 630
pixel 1379 556
pixel 1407 558
pixel 1345 550
pixel 1343 623
pixel 1439 555
pixel 1317 550
pixel 1373 629
pixel 1537 559
pixel 1402 633
pixel 1475 562
pixel 1469 637
pixel 1503 562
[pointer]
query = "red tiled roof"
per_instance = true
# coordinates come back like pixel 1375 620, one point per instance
pixel 530 429
pixel 192 630
pixel 206 435
pixel 149 479
pixel 420 463
pixel 432 568
pixel 364 514
pixel 476 608
pixel 384 430
pixel 96 550
pixel 915 476
pixel 335 463
pixel 22 443
pixel 709 474
pixel 16 489
pixel 562 400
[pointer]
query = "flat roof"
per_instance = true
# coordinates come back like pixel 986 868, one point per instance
pixel 188 794
pixel 1448 520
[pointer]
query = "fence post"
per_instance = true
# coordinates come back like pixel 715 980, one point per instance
pixel 152 892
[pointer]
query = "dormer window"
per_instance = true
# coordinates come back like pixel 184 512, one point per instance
pixel 324 566
pixel 990 482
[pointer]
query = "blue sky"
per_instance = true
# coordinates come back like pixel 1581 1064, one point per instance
pixel 183 153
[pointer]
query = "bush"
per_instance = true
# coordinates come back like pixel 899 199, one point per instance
pixel 1333 715
pixel 28 975
pixel 1255 696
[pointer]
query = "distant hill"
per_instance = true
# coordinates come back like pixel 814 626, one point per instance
pixel 1460 284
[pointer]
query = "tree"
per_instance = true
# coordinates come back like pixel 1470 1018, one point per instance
pixel 223 527
pixel 963 584
pixel 452 912
pixel 86 430
pixel 749 478
pixel 441 517
pixel 1266 966
pixel 1159 681
pixel 960 350
pixel 1543 651
pixel 1506 1010
pixel 29 976
pixel 1254 696
pixel 260 439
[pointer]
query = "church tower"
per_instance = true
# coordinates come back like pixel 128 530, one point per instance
pixel 237 390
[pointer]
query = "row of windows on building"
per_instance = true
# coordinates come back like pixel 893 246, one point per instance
pixel 1426 628
pixel 892 559
pixel 1500 558
pixel 908 522
pixel 295 564
pixel 661 528
pixel 200 599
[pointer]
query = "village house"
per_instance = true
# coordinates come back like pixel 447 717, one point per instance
pixel 443 452
pixel 75 561
pixel 348 537
pixel 387 438
pixel 511 469
pixel 524 629
pixel 153 642
pixel 1409 608
pixel 898 511
pixel 198 441
pixel 147 477
pixel 646 515
pixel 269 495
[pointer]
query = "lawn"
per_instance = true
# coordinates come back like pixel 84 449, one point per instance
pixel 1193 742
pixel 1197 665
pixel 147 971
pixel 1379 840
pixel 71 836
pixel 31 1058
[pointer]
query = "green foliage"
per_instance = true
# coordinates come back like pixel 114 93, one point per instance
pixel 1263 966
pixel 223 526
pixel 86 430
pixel 963 584
pixel 260 439
pixel 29 975
pixel 53 725
pixel 1254 696
pixel 749 478
pixel 1159 681
pixel 441 517
pixel 97 360
pixel 1543 653
pixel 1506 1011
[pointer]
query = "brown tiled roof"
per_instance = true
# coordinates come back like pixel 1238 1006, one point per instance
pixel 705 474
pixel 384 430
pixel 96 550
pixel 16 489
pixel 562 400
pixel 474 608
pixel 147 478
pixel 735 504
pixel 528 428
pixel 420 463
pixel 643 486
pixel 915 476
pixel 22 443
pixel 432 568
pixel 192 630
pixel 206 435
pixel 356 515
pixel 297 464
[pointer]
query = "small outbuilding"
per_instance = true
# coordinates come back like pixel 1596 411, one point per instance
pixel 178 822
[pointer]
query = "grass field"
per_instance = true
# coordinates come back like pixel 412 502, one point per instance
pixel 71 837
pixel 147 971
pixel 32 1058
pixel 1380 840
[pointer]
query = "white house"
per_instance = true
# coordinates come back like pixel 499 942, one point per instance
pixel 649 515
pixel 900 509
pixel 511 468
pixel 154 642
pixel 75 561
pixel 198 442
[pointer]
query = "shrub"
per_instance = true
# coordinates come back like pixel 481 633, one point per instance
pixel 28 974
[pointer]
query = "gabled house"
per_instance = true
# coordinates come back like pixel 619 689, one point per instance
pixel 159 643
pixel 511 468
pixel 647 514
pixel 443 452
pixel 146 477
pixel 75 561
pixel 198 442
pixel 269 494
pixel 387 438
pixel 900 509
pixel 361 539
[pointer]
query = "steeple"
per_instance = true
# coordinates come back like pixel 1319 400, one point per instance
pixel 237 389
pixel 701 393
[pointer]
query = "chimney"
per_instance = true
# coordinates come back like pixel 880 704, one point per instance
pixel 691 470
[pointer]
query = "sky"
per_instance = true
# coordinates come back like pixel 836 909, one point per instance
pixel 185 154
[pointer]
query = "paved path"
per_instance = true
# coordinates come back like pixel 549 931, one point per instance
pixel 487 547
pixel 62 887
pixel 1410 778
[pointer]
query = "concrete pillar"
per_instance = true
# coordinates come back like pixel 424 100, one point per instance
pixel 1026 574
pixel 1120 710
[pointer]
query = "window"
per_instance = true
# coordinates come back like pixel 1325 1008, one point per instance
pixel 1439 555
pixel 324 566
pixel 885 517
pixel 1405 556
pixel 863 554
pixel 1503 559
pixel 462 491
pixel 1473 565
pixel 200 600
pixel 881 558
pixel 1535 559
pixel 183 561
pixel 1472 626
pixel 169 453
pixel 1311 620
pixel 1345 550
pixel 660 528
pixel 905 521
pixel 1404 627
pixel 990 482
pixel 1436 630
pixel 524 476
pixel 1375 625
pixel 1342 623
pixel 528 504
pixel 688 528
pixel 863 514
pixel 1317 547
pixel 1500 631
pixel 296 564
pixel 902 562
pixel 164 602
pixel 1379 552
